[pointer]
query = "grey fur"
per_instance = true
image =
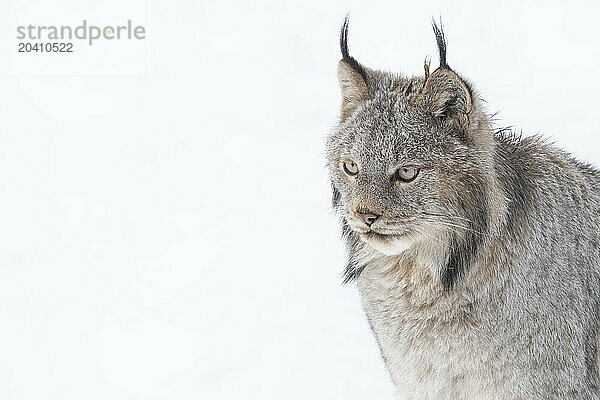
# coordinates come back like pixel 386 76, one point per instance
pixel 484 279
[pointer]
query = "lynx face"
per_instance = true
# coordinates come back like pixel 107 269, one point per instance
pixel 408 161
pixel 407 176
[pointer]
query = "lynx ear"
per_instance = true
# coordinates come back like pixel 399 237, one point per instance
pixel 353 87
pixel 444 92
pixel 351 76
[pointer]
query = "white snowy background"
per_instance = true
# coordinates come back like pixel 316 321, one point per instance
pixel 165 230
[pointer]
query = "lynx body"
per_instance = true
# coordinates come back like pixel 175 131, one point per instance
pixel 476 252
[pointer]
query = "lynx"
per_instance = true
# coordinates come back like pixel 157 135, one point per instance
pixel 476 252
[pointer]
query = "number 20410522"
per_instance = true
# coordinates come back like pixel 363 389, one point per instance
pixel 46 47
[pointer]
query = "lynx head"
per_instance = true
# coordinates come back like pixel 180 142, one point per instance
pixel 410 164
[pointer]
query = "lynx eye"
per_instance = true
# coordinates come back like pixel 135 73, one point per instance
pixel 406 174
pixel 350 168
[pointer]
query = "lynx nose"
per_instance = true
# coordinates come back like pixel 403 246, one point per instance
pixel 367 217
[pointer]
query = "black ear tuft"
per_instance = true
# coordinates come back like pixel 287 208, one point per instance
pixel 440 38
pixel 346 55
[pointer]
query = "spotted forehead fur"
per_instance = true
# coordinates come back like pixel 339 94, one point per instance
pixel 392 127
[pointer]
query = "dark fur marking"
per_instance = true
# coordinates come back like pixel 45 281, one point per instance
pixel 440 38
pixel 346 55
pixel 449 105
pixel 408 89
pixel 353 268
pixel 335 197
pixel 459 259
pixel 476 208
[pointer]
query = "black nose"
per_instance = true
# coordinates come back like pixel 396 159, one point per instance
pixel 367 217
